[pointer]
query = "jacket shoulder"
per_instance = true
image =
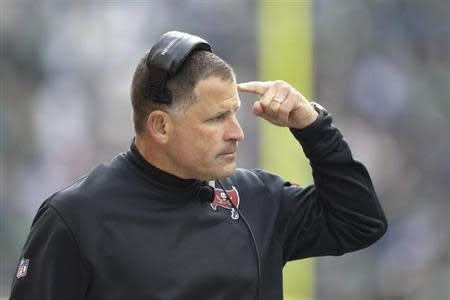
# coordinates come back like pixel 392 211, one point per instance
pixel 89 191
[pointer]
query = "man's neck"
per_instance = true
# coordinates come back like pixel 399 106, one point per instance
pixel 155 156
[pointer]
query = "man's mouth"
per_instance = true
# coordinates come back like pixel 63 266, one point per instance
pixel 229 151
pixel 227 154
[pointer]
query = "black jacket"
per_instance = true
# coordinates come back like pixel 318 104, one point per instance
pixel 130 231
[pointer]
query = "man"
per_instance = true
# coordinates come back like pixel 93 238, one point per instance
pixel 173 219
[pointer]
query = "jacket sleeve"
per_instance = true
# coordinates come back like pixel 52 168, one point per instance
pixel 340 212
pixel 50 267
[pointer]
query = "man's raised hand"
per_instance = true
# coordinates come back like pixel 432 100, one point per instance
pixel 280 103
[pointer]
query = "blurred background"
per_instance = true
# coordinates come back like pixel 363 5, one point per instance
pixel 382 68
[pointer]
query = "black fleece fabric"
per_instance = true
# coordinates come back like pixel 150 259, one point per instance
pixel 128 230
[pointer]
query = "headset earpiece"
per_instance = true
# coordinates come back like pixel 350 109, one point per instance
pixel 165 59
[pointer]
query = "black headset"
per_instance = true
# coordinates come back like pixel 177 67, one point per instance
pixel 166 57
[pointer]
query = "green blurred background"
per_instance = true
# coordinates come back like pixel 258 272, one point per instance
pixel 382 68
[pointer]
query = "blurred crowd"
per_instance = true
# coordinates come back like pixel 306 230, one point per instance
pixel 381 67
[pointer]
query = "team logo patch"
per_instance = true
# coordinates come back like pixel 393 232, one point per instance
pixel 23 268
pixel 220 199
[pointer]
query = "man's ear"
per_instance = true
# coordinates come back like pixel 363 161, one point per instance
pixel 159 124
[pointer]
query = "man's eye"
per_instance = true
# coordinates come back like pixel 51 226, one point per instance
pixel 218 118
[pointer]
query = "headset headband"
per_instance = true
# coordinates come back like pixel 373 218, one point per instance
pixel 165 59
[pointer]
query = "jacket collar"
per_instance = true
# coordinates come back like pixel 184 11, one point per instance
pixel 156 174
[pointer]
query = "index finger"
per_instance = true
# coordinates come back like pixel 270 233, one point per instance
pixel 256 87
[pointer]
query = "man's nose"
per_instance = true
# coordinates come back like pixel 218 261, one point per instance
pixel 234 130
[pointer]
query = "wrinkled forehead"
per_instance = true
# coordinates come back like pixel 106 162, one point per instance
pixel 215 93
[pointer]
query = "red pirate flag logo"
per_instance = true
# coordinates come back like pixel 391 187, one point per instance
pixel 220 199
pixel 23 268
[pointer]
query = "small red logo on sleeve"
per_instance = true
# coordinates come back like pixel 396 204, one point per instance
pixel 23 268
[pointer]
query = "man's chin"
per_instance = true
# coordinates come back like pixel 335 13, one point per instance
pixel 225 175
pixel 221 172
pixel 228 170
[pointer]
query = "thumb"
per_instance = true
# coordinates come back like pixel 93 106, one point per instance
pixel 257 108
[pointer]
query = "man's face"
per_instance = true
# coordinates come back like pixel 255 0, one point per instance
pixel 205 137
